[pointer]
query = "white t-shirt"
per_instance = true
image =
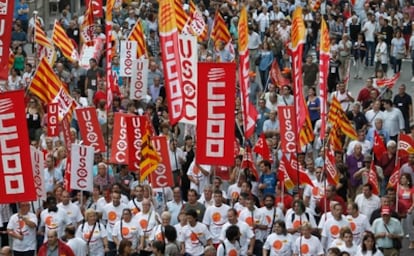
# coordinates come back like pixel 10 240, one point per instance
pixel 96 244
pixel 112 214
pixel 255 217
pixel 331 230
pixel 271 216
pixel 358 225
pixel 214 218
pixel 367 205
pixel 78 246
pixel 29 234
pixel 279 245
pixel 227 248
pixel 129 231
pixel 246 234
pixel 195 238
pixel 53 221
pixel 72 211
pixel 146 222
pixel 308 246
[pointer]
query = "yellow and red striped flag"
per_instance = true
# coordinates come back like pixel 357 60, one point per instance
pixel 87 27
pixel 336 115
pixel 149 156
pixel 11 59
pixel 40 36
pixel 62 41
pixel 181 16
pixel 137 35
pixel 220 32
pixel 45 84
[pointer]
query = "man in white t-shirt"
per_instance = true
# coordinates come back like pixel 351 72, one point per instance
pixel 367 202
pixel 72 210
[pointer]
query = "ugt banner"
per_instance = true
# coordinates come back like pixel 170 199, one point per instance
pixel 90 129
pixel 52 119
pixel 6 18
pixel 81 176
pixel 215 120
pixel 16 174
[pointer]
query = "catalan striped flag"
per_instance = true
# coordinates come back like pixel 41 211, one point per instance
pixel 181 16
pixel 61 40
pixel 11 59
pixel 306 134
pixel 334 137
pixel 149 156
pixel 40 36
pixel 220 32
pixel 45 84
pixel 87 26
pixel 336 115
pixel 137 35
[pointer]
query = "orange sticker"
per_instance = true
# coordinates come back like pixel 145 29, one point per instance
pixel 49 220
pixel 334 230
pixel 232 252
pixel 143 223
pixel 353 225
pixel 249 221
pixel 216 217
pixel 112 216
pixel 296 224
pixel 193 237
pixel 304 248
pixel 125 231
pixel 277 244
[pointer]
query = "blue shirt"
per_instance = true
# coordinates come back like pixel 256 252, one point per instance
pixel 270 180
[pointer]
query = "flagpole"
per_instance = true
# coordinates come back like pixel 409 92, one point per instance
pixel 398 185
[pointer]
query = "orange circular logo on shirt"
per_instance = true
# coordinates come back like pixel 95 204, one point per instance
pixel 268 219
pixel 296 224
pixel 304 248
pixel 277 244
pixel 232 252
pixel 49 222
pixel 143 223
pixel 353 225
pixel 334 230
pixel 194 237
pixel 125 231
pixel 234 195
pixel 112 216
pixel 159 237
pixel 135 211
pixel 21 224
pixel 216 217
pixel 86 236
pixel 249 221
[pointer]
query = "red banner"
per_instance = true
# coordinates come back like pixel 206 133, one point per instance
pixel 262 148
pixel 387 82
pixel 67 177
pixel 324 49
pixel 171 60
pixel 379 146
pixel 134 136
pixel 6 19
pixel 162 176
pixel 119 148
pixel 52 119
pixel 373 179
pixel 288 138
pixel 96 8
pixel 405 145
pixel 215 120
pixel 66 132
pixel 90 129
pixel 276 75
pixel 332 174
pixel 38 167
pixel 16 173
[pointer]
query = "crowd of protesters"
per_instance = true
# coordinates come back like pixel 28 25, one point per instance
pixel 243 214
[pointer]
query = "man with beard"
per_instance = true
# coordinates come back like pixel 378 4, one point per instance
pixel 271 213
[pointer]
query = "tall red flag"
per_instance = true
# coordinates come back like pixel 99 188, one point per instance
pixel 276 75
pixel 248 161
pixel 6 19
pixel 379 147
pixel 324 49
pixel 283 176
pixel 405 145
pixel 395 176
pixel 262 148
pixel 332 174
pixel 296 171
pixel 373 179
pixel 108 30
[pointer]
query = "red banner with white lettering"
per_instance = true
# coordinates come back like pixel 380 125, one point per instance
pixel 288 138
pixel 90 129
pixel 134 137
pixel 171 60
pixel 162 176
pixel 215 120
pixel 81 178
pixel 96 8
pixel 324 49
pixel 6 18
pixel 36 157
pixel 52 119
pixel 119 148
pixel 16 173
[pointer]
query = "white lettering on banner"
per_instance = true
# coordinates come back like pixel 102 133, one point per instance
pixel 139 80
pixel 161 172
pixel 187 47
pixel 81 172
pixel 128 55
pixel 121 146
pixel 295 63
pixel 2 32
pixel 37 165
pixel 11 160
pixel 137 144
pixel 64 102
pixel 289 134
pixel 174 88
pixel 96 8
pixel 215 119
pixel 92 136
pixel 52 122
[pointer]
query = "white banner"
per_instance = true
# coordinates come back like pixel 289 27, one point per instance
pixel 139 80
pixel 88 52
pixel 81 176
pixel 188 57
pixel 128 54
pixel 64 102
pixel 36 156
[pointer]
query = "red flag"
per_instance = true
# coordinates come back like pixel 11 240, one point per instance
pixel 262 148
pixel 295 171
pixel 108 29
pixel 395 176
pixel 373 179
pixel 332 174
pixel 52 119
pixel 66 132
pixel 134 135
pixel 276 75
pixel 283 176
pixel 324 49
pixel 66 178
pixel 119 149
pixel 388 82
pixel 96 7
pixel 405 145
pixel 90 129
pixel 215 119
pixel 150 157
pixel 16 173
pixel 379 147
pixel 248 161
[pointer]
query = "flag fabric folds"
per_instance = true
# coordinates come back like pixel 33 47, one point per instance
pixel 137 35
pixel 220 32
pixel 373 178
pixel 149 156
pixel 336 115
pixel 262 148
pixel 40 36
pixel 379 147
pixel 60 39
pixel 395 176
pixel 324 56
